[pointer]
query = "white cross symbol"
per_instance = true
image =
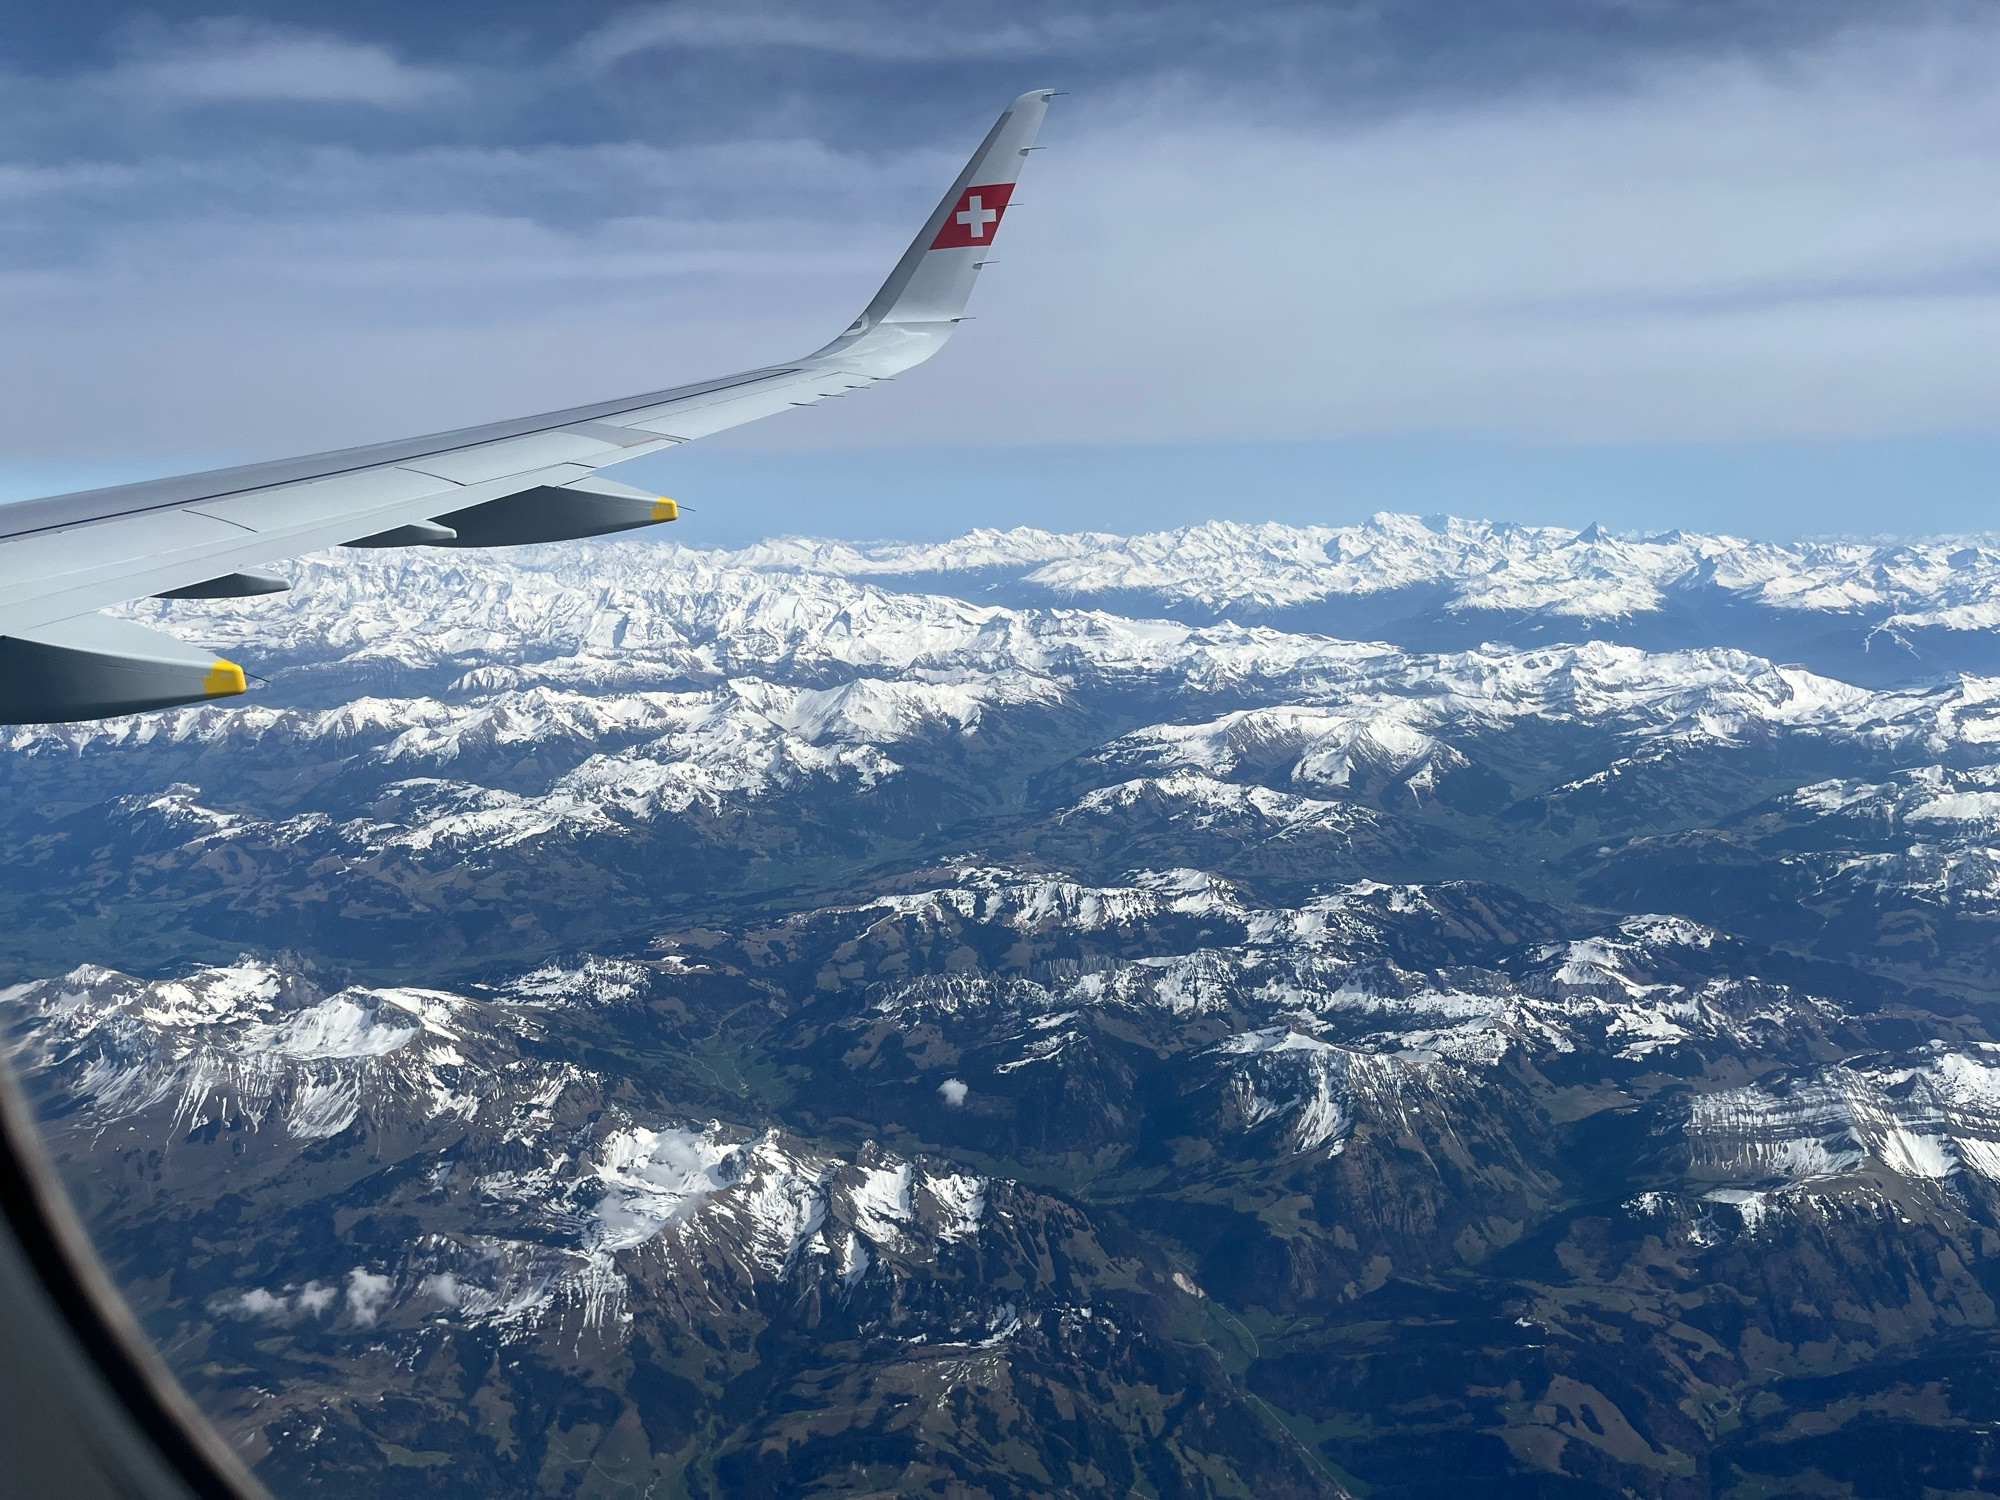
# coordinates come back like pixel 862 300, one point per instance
pixel 975 216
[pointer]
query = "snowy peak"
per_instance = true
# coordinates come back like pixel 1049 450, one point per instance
pixel 1593 574
pixel 1930 1119
pixel 254 1048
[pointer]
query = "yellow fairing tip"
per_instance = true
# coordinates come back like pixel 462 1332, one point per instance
pixel 665 510
pixel 224 679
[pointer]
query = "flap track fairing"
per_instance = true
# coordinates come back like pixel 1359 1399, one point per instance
pixel 94 666
pixel 246 583
pixel 558 513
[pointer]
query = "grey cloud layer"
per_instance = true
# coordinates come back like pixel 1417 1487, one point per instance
pixel 242 61
pixel 1710 246
pixel 875 32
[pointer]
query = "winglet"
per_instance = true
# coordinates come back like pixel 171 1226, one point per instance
pixel 926 293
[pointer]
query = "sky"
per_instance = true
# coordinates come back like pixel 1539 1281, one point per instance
pixel 1717 264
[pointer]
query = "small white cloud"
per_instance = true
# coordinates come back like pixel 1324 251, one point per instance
pixel 953 1091
pixel 367 1294
pixel 258 1303
pixel 310 1300
pixel 443 1286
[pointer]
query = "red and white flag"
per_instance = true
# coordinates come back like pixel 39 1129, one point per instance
pixel 975 217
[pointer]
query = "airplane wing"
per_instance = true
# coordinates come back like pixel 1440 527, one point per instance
pixel 529 480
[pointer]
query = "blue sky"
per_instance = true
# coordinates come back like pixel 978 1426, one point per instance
pixel 1648 262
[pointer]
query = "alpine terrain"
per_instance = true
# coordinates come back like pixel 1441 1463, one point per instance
pixel 1421 1009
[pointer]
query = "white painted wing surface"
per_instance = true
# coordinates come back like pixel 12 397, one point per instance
pixel 64 557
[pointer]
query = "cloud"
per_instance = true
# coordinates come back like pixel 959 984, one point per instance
pixel 1719 248
pixel 871 32
pixel 293 301
pixel 950 30
pixel 258 1303
pixel 953 1091
pixel 288 1306
pixel 1338 44
pixel 442 1287
pixel 367 1295
pixel 243 61
pixel 1723 251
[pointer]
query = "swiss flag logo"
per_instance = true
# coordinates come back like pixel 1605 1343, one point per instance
pixel 974 217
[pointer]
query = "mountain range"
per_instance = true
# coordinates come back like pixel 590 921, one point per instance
pixel 1418 1009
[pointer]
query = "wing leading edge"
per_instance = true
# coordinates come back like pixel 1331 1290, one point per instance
pixel 525 480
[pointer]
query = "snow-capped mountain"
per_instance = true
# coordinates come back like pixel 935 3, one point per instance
pixel 442 1178
pixel 1248 1008
pixel 437 730
pixel 577 1183
pixel 1478 570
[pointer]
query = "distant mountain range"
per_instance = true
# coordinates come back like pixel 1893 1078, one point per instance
pixel 1873 612
pixel 1427 1008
